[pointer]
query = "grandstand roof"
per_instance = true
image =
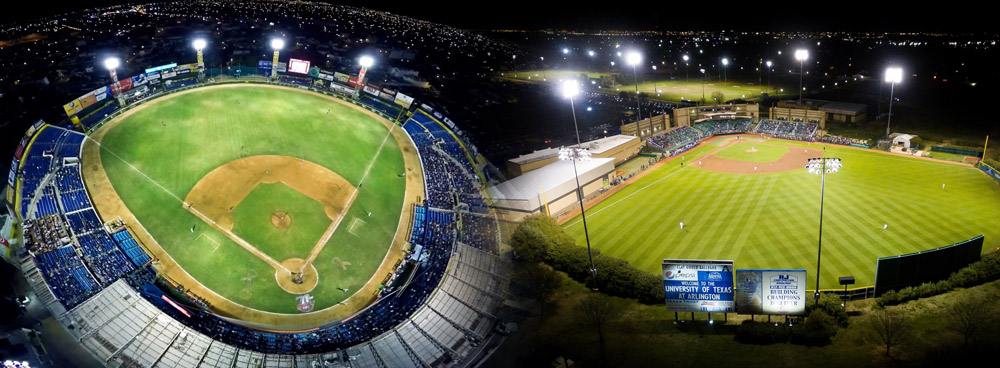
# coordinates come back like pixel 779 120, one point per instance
pixel 556 179
pixel 596 147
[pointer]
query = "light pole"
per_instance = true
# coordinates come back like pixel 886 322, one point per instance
pixel 769 63
pixel 702 85
pixel 893 75
pixel 590 61
pixel 822 166
pixel 199 45
pixel 570 89
pixel 112 63
pixel 725 62
pixel 801 55
pixel 277 44
pixel 366 62
pixel 686 75
pixel 634 58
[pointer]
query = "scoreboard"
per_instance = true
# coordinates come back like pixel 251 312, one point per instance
pixel 698 285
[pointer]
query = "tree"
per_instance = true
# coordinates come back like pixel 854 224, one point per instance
pixel 889 329
pixel 969 317
pixel 539 282
pixel 535 237
pixel 719 97
pixel 597 310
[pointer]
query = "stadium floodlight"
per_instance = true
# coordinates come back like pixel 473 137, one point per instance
pixel 277 44
pixel 199 45
pixel 702 85
pixel 565 51
pixel 633 58
pixel 590 53
pixel 365 61
pixel 686 75
pixel 578 153
pixel 893 75
pixel 570 88
pixel 801 55
pixel 112 63
pixel 821 166
pixel 769 64
pixel 725 62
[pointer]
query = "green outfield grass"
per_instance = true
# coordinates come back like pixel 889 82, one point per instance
pixel 207 128
pixel 252 221
pixel 765 152
pixel 771 220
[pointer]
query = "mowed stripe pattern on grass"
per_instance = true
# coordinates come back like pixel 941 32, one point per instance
pixel 178 140
pixel 772 220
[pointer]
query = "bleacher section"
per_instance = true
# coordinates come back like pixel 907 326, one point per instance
pixel 677 138
pixel 66 276
pixel 131 249
pixel 176 84
pixel 787 129
pixel 93 118
pixel 721 127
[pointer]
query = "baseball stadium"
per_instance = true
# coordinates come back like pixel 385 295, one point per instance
pixel 294 213
pixel 265 218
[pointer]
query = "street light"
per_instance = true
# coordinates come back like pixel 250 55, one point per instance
pixel 634 58
pixel 801 55
pixel 570 89
pixel 686 75
pixel 893 75
pixel 725 62
pixel 199 45
pixel 277 44
pixel 822 166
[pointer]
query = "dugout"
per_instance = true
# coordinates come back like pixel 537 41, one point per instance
pixel 551 189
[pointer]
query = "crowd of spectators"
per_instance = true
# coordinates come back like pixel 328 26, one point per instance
pixel 676 138
pixel 727 126
pixel 787 129
pixel 847 141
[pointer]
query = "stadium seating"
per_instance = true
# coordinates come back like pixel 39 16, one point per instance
pixel 787 129
pixel 676 138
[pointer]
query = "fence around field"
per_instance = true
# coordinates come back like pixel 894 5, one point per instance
pixel 957 151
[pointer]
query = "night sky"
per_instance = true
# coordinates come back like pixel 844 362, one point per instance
pixel 659 15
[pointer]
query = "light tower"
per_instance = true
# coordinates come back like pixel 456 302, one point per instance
pixel 686 75
pixel 570 89
pixel 801 55
pixel 893 75
pixel 634 58
pixel 725 63
pixel 822 166
pixel 703 85
pixel 365 61
pixel 277 44
pixel 112 63
pixel 199 45
pixel 769 64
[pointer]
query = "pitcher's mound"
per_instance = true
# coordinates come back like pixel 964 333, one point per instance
pixel 281 220
pixel 752 150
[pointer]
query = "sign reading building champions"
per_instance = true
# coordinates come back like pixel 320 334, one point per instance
pixel 771 292
pixel 698 285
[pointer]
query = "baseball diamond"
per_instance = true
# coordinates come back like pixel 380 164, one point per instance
pixel 261 186
pixel 761 208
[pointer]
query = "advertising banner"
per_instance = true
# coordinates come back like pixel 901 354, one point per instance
pixel 449 123
pixel 12 176
pixel 372 90
pixel 87 100
pixel 403 100
pixel 386 96
pixel 101 93
pixel 325 76
pixel 10 195
pixel 698 285
pixel 72 108
pixel 168 74
pixel 161 68
pixel 341 77
pixel 18 152
pixel 353 82
pixel 282 67
pixel 344 89
pixel 771 292
pixel 122 86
